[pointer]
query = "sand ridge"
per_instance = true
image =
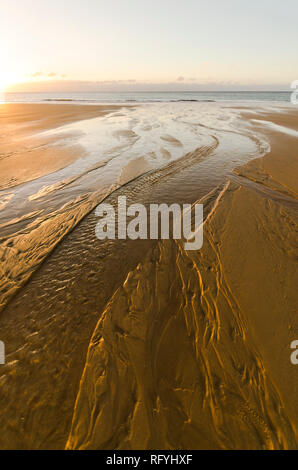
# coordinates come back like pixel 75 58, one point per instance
pixel 193 350
pixel 185 355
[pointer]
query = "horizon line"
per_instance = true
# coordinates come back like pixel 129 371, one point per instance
pixel 153 91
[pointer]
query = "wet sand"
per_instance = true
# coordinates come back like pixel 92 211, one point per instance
pixel 195 345
pixel 140 344
pixel 278 169
pixel 193 350
pixel 25 153
pixel 111 150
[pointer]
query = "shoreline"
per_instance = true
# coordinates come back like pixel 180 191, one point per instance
pixel 23 145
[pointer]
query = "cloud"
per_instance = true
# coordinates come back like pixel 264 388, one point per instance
pixel 114 82
pixel 180 79
pixel 47 75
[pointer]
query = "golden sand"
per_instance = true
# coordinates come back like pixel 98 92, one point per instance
pixel 25 155
pixel 278 169
pixel 192 350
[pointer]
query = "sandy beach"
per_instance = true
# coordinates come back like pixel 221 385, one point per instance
pixel 24 158
pixel 212 329
pixel 141 344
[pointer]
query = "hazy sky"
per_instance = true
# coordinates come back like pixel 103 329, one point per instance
pixel 184 43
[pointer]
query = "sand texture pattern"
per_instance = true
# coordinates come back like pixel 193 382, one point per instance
pixel 122 344
pixel 173 362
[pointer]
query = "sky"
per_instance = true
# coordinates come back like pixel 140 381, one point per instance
pixel 84 45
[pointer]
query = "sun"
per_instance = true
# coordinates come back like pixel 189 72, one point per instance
pixel 6 80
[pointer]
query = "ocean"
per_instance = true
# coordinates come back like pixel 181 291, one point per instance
pixel 150 97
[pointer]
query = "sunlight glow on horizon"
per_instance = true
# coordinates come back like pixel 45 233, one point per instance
pixel 7 80
pixel 224 43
